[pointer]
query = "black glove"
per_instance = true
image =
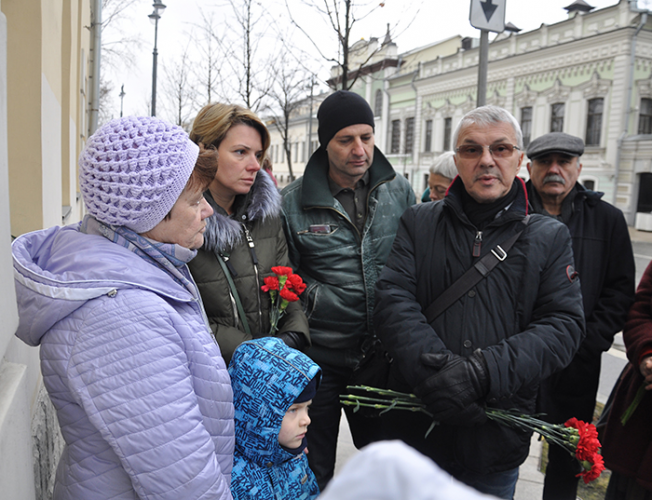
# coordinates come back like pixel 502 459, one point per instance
pixel 295 340
pixel 454 394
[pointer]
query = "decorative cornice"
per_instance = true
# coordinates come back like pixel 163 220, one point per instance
pixel 496 99
pixel 557 93
pixel 365 70
pixel 644 88
pixel 468 105
pixel 526 97
pixel 447 109
pixel 595 87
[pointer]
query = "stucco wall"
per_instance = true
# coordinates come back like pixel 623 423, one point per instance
pixel 43 44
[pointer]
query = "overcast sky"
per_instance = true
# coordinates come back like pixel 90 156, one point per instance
pixel 415 23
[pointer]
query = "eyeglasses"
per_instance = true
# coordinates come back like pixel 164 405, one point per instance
pixel 474 151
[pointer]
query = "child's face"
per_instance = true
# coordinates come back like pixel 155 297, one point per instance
pixel 294 426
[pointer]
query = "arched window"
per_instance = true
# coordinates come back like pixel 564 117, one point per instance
pixel 378 103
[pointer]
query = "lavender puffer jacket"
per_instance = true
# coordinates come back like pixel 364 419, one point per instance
pixel 141 391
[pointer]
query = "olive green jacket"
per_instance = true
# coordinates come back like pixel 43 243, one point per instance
pixel 339 264
pixel 260 212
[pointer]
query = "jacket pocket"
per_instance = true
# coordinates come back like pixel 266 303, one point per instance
pixel 310 297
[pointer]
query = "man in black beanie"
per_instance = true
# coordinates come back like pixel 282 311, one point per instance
pixel 340 221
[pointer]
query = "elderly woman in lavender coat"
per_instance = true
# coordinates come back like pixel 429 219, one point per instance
pixel 139 385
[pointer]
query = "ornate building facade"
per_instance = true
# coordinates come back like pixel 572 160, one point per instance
pixel 589 75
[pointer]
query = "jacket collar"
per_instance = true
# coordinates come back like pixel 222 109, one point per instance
pixel 519 208
pixel 224 232
pixel 315 190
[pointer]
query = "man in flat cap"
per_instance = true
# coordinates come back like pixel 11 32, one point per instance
pixel 340 221
pixel 605 262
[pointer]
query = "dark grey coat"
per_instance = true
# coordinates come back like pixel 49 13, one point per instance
pixel 526 316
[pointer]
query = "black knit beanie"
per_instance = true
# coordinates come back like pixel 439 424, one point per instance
pixel 340 110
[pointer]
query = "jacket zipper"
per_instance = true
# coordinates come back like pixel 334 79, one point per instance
pixel 477 244
pixel 254 258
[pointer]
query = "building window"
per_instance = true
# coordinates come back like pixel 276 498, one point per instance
pixel 396 136
pixel 378 103
pixel 425 181
pixel 645 193
pixel 409 135
pixel 589 184
pixel 594 122
pixel 557 117
pixel 427 147
pixel 526 124
pixel 645 117
pixel 448 125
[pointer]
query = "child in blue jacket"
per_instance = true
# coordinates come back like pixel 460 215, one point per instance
pixel 273 386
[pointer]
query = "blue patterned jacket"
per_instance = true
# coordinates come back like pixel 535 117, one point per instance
pixel 267 376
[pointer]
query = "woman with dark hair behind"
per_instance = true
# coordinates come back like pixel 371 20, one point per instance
pixel 244 236
pixel 141 391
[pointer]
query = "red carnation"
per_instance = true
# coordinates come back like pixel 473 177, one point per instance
pixel 296 283
pixel 592 468
pixel 271 283
pixel 282 270
pixel 588 444
pixel 288 295
pixel 283 288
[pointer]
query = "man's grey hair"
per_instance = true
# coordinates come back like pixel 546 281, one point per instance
pixel 488 115
pixel 444 165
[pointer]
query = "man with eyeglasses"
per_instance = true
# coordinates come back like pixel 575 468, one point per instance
pixel 605 261
pixel 502 335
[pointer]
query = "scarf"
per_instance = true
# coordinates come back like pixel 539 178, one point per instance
pixel 481 214
pixel 168 257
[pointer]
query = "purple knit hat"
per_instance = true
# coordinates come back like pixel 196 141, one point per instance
pixel 133 169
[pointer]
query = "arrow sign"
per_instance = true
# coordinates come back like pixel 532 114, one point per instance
pixel 489 9
pixel 488 15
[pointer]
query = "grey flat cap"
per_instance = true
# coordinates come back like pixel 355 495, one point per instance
pixel 555 142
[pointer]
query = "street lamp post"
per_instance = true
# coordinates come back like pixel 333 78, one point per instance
pixel 154 17
pixel 312 85
pixel 122 96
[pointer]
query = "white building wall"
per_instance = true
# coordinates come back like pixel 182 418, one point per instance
pixel 16 378
pixel 51 154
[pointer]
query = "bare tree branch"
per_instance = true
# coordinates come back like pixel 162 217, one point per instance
pixel 341 16
pixel 179 92
pixel 288 96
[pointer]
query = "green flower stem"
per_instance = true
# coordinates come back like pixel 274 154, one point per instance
pixel 632 407
pixel 386 400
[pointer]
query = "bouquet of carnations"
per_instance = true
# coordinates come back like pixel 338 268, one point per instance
pixel 283 288
pixel 579 438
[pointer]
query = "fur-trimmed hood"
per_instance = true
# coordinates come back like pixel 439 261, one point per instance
pixel 262 201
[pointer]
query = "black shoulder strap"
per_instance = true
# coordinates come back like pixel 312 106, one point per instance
pixel 234 292
pixel 472 276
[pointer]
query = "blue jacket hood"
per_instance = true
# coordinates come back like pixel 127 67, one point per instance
pixel 266 376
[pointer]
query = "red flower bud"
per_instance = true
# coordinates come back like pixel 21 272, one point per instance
pixel 282 270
